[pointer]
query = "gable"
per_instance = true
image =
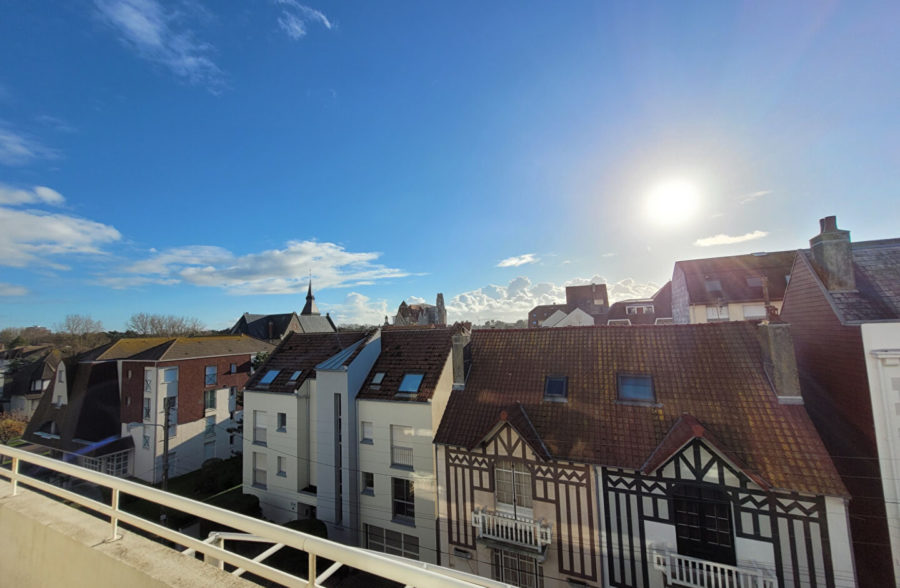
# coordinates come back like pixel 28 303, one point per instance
pixel 699 461
pixel 505 441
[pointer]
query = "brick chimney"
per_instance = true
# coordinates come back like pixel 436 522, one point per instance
pixel 779 361
pixel 460 342
pixel 833 256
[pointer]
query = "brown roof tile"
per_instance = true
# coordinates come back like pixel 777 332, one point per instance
pixel 412 351
pixel 711 371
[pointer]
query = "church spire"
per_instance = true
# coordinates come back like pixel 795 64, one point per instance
pixel 310 308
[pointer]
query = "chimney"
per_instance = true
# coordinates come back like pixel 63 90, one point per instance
pixel 460 344
pixel 833 256
pixel 779 361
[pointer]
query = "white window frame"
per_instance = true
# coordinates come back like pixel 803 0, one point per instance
pixel 512 488
pixel 366 432
pixel 401 446
pixel 260 465
pixel 260 430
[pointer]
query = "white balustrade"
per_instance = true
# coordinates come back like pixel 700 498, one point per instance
pixel 691 572
pixel 520 531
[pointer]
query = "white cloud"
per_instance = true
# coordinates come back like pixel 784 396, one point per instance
pixel 415 300
pixel 723 239
pixel 753 196
pixel 512 302
pixel 518 260
pixel 276 271
pixel 295 17
pixel 161 36
pixel 38 194
pixel 34 237
pixel 12 290
pixel 17 148
pixel 358 309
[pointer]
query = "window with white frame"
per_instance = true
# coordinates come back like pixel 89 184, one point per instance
pixel 401 446
pixel 147 413
pixel 259 469
pixel 754 311
pixel 169 375
pixel 116 464
pixel 512 485
pixel 209 400
pixel 392 542
pixel 282 422
pixel 517 569
pixel 366 432
pixel 716 313
pixel 145 442
pixel 210 377
pixel 282 466
pixel 403 500
pixel 368 483
pixel 259 427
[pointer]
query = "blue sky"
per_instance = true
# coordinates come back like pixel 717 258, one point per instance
pixel 201 158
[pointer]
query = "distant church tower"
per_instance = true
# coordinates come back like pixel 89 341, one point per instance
pixel 310 309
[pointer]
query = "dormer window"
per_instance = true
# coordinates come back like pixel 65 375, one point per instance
pixel 410 383
pixel 556 388
pixel 636 388
pixel 296 375
pixel 713 286
pixel 269 377
pixel 378 378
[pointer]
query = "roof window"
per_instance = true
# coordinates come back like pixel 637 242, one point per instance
pixel 296 375
pixel 636 388
pixel 410 383
pixel 378 378
pixel 713 285
pixel 754 281
pixel 270 375
pixel 556 388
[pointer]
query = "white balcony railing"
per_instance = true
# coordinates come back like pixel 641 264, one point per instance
pixel 510 529
pixel 14 463
pixel 690 572
pixel 402 456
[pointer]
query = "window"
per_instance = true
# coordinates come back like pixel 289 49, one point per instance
pixel 259 427
pixel 556 388
pixel 366 432
pixel 148 381
pixel 378 378
pixel 169 375
pixel 754 282
pixel 209 400
pixel 639 309
pixel 232 368
pixel 59 376
pixel 716 313
pixel 410 383
pixel 393 542
pixel 664 321
pixel 259 469
pixel 282 466
pixel 636 388
pixel 401 450
pixel 517 569
pixel 403 500
pixel 619 322
pixel 703 523
pixel 210 375
pixel 512 485
pixel 147 409
pixel 296 375
pixel 754 311
pixel 269 377
pixel 713 286
pixel 210 430
pixel 368 483
pixel 145 443
pixel 282 422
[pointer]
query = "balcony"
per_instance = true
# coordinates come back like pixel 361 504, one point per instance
pixel 507 528
pixel 402 456
pixel 690 572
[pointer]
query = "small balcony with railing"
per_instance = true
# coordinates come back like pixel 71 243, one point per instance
pixel 692 572
pixel 511 529
pixel 402 456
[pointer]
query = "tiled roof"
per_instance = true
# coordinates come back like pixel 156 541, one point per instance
pixel 732 273
pixel 876 267
pixel 301 352
pixel 410 351
pixel 711 371
pixel 190 347
pixel 124 348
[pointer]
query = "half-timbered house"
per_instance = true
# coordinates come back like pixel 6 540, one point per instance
pixel 676 455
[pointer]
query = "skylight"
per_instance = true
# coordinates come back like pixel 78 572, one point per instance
pixel 270 375
pixel 754 281
pixel 713 285
pixel 636 388
pixel 378 378
pixel 296 375
pixel 411 383
pixel 556 388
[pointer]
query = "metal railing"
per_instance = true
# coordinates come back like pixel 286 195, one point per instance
pixel 409 573
pixel 511 529
pixel 691 572
pixel 401 456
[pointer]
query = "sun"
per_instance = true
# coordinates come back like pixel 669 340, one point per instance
pixel 672 202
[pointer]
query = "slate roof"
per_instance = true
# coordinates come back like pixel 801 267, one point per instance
pixel 301 351
pixel 732 273
pixel 412 351
pixel 711 371
pixel 876 266
pixel 34 363
pixel 257 325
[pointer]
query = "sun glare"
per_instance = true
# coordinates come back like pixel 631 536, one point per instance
pixel 672 202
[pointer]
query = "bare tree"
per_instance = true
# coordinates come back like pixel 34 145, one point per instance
pixel 79 325
pixel 164 325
